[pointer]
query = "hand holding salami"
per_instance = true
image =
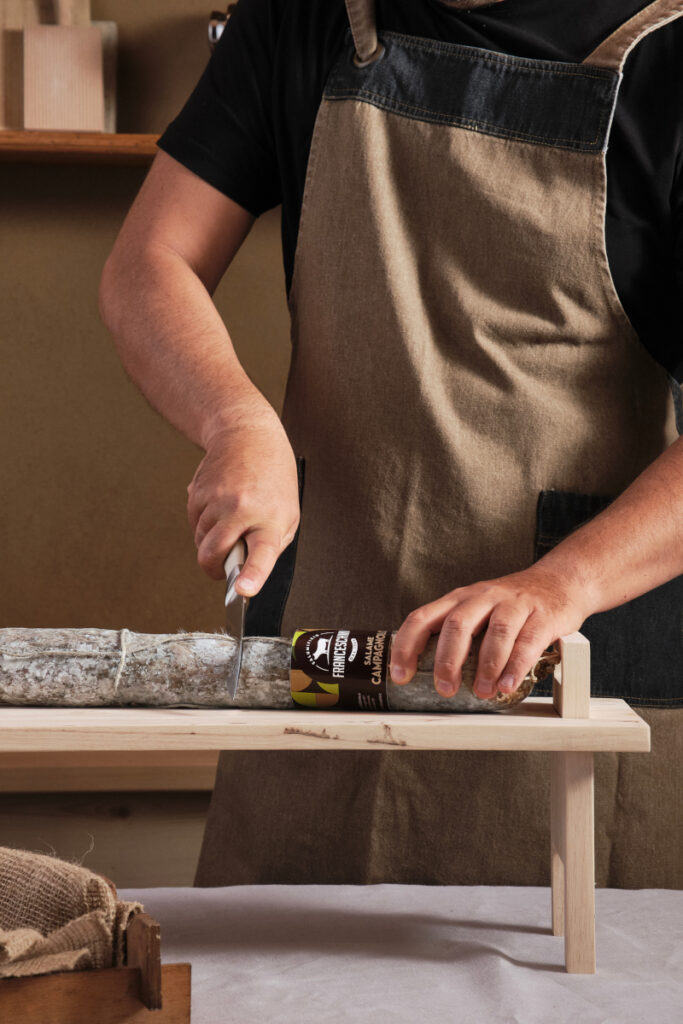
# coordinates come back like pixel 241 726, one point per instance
pixel 522 614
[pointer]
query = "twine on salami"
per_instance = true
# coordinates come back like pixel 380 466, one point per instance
pixel 340 668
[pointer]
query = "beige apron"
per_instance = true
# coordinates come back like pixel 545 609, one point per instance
pixel 458 349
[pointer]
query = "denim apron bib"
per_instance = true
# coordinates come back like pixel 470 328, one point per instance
pixel 465 389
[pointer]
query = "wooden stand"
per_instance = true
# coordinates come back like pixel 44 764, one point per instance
pixel 143 991
pixel 570 726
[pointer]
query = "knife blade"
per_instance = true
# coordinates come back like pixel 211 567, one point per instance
pixel 236 606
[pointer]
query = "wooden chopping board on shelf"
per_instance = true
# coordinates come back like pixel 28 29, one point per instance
pixel 63 72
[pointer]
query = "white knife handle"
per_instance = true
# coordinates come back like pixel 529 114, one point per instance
pixel 233 566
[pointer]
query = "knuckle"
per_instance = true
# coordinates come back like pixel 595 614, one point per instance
pixel 240 503
pixel 224 502
pixel 529 639
pixel 519 671
pixel 206 549
pixel 194 504
pixel 289 536
pixel 500 629
pixel 418 617
pixel 446 668
pixel 402 652
pixel 488 668
pixel 455 626
pixel 264 549
pixel 207 558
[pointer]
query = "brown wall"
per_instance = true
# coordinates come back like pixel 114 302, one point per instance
pixel 92 511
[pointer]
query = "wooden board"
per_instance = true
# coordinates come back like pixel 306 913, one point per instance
pixel 107 771
pixel 94 997
pixel 63 78
pixel 143 950
pixel 532 725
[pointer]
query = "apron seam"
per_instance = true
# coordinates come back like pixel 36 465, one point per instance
pixel 456 120
pixel 598 244
pixel 476 55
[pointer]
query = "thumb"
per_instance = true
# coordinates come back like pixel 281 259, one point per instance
pixel 263 549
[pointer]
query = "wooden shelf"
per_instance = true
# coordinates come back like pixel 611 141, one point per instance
pixel 76 147
pixel 532 725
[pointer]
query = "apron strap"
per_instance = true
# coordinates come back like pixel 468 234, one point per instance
pixel 361 15
pixel 614 50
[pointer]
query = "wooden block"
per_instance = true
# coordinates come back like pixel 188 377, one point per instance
pixel 572 683
pixel 94 997
pixel 63 78
pixel 143 950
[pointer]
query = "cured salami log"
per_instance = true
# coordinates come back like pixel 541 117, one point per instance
pixel 109 668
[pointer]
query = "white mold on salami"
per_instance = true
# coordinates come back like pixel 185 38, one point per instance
pixel 105 668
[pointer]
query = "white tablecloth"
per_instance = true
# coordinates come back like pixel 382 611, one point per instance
pixel 417 954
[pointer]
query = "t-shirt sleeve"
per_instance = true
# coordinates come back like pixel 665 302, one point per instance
pixel 224 133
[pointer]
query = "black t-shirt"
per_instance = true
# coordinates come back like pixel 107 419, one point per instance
pixel 246 129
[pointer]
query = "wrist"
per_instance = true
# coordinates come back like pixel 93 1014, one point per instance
pixel 245 408
pixel 573 572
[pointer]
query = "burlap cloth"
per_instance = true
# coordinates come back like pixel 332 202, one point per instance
pixel 56 916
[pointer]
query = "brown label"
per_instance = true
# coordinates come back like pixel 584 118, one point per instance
pixel 340 668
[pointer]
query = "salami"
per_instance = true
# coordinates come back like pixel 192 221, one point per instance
pixel 109 668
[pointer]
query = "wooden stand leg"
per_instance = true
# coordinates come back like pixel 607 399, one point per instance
pixel 579 861
pixel 557 849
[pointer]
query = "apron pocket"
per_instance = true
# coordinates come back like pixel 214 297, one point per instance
pixel 265 610
pixel 637 648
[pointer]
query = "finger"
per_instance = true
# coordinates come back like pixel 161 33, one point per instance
pixel 205 523
pixel 215 546
pixel 196 503
pixel 411 639
pixel 263 548
pixel 459 626
pixel 531 642
pixel 505 623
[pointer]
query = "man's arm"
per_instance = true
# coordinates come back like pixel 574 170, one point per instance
pixel 636 544
pixel 155 298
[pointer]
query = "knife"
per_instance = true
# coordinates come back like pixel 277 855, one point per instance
pixel 236 606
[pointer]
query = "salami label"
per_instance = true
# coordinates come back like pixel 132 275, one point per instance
pixel 340 668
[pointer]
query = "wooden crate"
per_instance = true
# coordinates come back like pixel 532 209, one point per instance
pixel 143 990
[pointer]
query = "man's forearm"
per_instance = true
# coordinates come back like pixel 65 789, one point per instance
pixel 174 344
pixel 636 544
